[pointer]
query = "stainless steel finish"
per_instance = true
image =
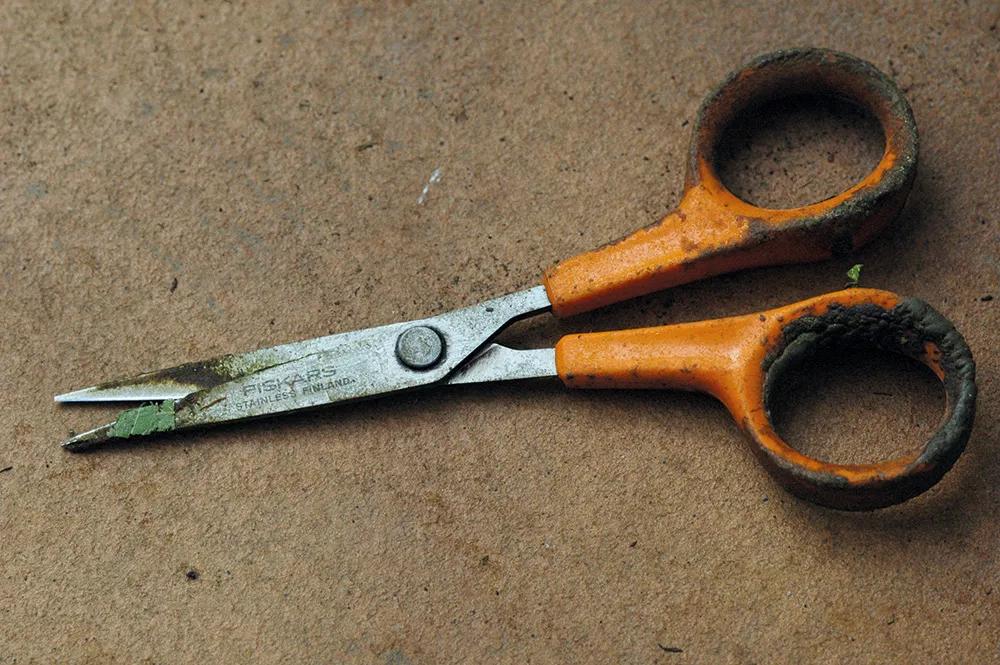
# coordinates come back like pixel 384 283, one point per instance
pixel 336 368
pixel 355 365
pixel 89 439
pixel 419 347
pixel 501 363
pixel 137 393
pixel 177 382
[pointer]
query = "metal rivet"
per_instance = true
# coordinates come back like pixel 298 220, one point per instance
pixel 420 347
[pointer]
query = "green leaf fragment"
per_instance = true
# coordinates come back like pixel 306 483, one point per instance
pixel 854 274
pixel 144 420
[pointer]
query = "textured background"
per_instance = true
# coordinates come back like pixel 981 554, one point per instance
pixel 181 180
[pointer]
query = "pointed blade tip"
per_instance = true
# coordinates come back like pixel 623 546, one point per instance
pixel 90 438
pixel 124 394
pixel 71 396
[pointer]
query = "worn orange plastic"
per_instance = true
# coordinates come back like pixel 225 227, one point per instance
pixel 740 359
pixel 713 231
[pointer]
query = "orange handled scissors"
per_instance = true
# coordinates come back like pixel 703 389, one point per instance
pixel 738 360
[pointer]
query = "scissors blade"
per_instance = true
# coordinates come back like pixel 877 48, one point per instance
pixel 158 385
pixel 336 368
pixel 501 363
pixel 183 380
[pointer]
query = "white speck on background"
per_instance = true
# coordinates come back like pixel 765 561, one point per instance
pixel 435 178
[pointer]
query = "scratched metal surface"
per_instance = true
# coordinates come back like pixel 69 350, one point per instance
pixel 184 181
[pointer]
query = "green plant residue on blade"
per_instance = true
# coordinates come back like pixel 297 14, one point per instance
pixel 144 420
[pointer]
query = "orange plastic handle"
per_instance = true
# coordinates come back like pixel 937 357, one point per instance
pixel 739 360
pixel 714 232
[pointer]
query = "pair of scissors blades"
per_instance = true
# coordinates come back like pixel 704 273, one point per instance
pixel 738 360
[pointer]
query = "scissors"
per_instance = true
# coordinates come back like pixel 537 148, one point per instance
pixel 738 360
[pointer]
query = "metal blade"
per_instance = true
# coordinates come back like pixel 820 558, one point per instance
pixel 183 380
pixel 140 393
pixel 500 363
pixel 170 383
pixel 336 368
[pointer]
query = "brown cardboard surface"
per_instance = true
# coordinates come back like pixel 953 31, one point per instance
pixel 182 180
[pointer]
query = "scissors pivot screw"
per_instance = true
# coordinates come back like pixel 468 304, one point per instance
pixel 419 347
